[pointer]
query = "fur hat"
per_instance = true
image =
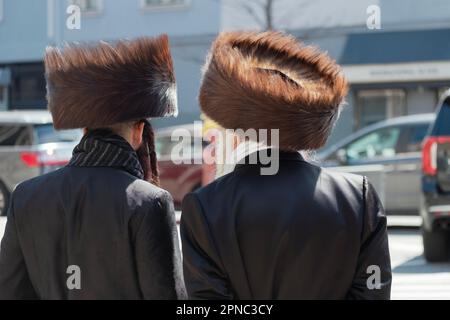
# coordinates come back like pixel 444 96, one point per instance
pixel 104 84
pixel 271 81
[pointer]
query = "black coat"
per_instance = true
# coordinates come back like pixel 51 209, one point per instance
pixel 304 233
pixel 120 231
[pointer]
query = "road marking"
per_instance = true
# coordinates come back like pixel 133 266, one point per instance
pixel 404 221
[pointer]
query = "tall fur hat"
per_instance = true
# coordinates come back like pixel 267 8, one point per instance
pixel 104 84
pixel 271 81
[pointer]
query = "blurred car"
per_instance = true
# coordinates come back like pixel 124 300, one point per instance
pixel 395 145
pixel 179 160
pixel 29 146
pixel 435 205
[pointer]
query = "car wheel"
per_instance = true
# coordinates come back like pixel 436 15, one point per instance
pixel 436 245
pixel 4 199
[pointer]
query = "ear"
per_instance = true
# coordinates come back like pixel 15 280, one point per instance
pixel 136 136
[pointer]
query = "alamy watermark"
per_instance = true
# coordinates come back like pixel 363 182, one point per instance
pixel 228 147
pixel 73 282
pixel 373 21
pixel 74 279
pixel 374 280
pixel 73 21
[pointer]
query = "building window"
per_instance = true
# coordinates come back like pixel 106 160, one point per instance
pixel 378 105
pixel 3 97
pixel 5 81
pixel 27 86
pixel 163 4
pixel 1 10
pixel 89 6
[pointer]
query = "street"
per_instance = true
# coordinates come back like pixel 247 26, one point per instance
pixel 413 277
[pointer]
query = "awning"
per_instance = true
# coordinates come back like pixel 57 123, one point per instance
pixel 403 56
pixel 379 47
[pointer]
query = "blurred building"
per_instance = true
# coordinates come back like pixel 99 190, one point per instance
pixel 396 70
pixel 27 27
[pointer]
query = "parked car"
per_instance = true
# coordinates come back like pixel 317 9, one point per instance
pixel 394 145
pixel 179 160
pixel 29 146
pixel 435 204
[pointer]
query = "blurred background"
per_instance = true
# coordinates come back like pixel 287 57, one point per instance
pixel 396 70
pixel 395 127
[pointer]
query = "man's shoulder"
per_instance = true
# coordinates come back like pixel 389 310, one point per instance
pixel 215 187
pixel 151 204
pixel 142 191
pixel 324 178
pixel 75 179
pixel 341 177
pixel 38 183
pixel 36 192
pixel 332 175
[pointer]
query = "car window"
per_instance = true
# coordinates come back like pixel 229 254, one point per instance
pixel 13 135
pixel 442 125
pixel 414 138
pixel 45 133
pixel 380 143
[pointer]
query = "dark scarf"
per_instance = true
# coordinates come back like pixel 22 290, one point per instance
pixel 103 148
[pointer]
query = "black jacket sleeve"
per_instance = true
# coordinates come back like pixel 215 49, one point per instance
pixel 203 271
pixel 15 283
pixel 373 274
pixel 157 253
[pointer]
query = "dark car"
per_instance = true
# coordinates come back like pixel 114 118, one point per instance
pixel 435 204
pixel 389 154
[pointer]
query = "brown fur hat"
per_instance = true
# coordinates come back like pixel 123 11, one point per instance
pixel 104 84
pixel 271 81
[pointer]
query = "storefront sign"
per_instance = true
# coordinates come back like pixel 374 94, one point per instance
pixel 399 72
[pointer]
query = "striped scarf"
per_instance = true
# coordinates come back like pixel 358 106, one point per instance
pixel 103 148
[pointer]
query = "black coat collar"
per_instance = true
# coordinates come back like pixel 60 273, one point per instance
pixel 283 156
